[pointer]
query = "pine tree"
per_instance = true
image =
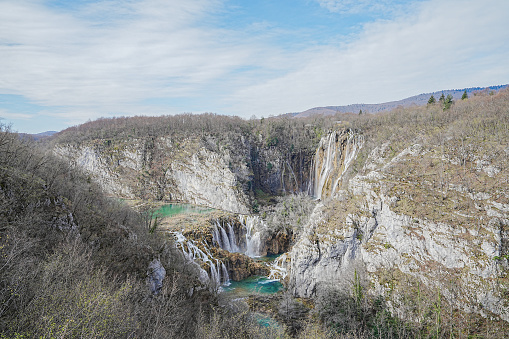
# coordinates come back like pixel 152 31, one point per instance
pixel 448 102
pixel 464 96
pixel 442 98
pixel 431 100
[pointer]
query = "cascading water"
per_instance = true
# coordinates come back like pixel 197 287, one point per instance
pixel 332 159
pixel 278 268
pixel 225 239
pixel 322 172
pixel 224 236
pixel 253 234
pixel 192 253
pixel 233 242
pixel 353 144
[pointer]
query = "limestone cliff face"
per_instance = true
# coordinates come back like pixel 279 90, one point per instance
pixel 107 171
pixel 202 170
pixel 280 173
pixel 398 217
pixel 163 169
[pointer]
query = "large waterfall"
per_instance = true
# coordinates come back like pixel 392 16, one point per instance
pixel 332 159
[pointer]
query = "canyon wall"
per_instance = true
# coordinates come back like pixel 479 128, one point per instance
pixel 218 173
pixel 436 214
pixel 420 214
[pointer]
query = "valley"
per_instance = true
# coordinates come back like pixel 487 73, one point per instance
pixel 392 225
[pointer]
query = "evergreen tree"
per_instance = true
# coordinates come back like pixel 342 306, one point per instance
pixel 431 100
pixel 442 98
pixel 448 102
pixel 360 111
pixel 464 96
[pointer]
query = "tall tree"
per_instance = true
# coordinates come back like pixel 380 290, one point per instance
pixel 442 98
pixel 431 100
pixel 448 102
pixel 464 96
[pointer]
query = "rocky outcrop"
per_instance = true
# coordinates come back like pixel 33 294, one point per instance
pixel 395 218
pixel 155 276
pixel 281 173
pixel 278 242
pixel 208 171
pixel 240 266
pixel 160 169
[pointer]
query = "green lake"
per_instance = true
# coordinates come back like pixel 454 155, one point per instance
pixel 170 210
pixel 253 285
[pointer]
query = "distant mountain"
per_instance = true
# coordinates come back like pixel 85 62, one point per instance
pixel 418 100
pixel 38 136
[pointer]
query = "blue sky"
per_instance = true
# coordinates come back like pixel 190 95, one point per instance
pixel 65 62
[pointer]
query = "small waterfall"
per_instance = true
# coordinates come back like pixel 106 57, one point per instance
pixel 225 239
pixel 278 268
pixel 226 277
pixel 253 234
pixel 233 242
pixel 216 237
pixel 218 272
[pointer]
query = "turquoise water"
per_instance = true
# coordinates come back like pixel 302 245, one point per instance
pixel 268 258
pixel 266 321
pixel 253 285
pixel 170 210
pixel 256 285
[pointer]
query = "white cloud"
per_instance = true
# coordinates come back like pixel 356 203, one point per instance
pixel 5 114
pixel 111 56
pixel 445 44
pixel 149 48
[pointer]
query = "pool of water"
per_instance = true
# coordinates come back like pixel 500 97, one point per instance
pixel 266 321
pixel 253 285
pixel 268 258
pixel 170 210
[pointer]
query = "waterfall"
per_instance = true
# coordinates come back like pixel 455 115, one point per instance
pixel 353 144
pixel 322 172
pixel 223 236
pixel 233 242
pixel 253 235
pixel 216 237
pixel 311 180
pixel 218 272
pixel 278 268
pixel 332 159
pixel 225 239
pixel 226 277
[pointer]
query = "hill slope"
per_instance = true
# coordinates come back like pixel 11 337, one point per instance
pixel 418 100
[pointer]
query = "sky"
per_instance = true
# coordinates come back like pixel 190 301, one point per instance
pixel 65 62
